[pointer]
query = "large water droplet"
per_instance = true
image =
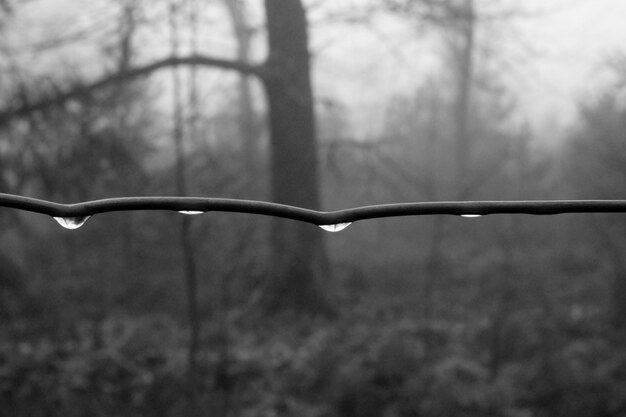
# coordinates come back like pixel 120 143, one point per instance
pixel 72 222
pixel 470 216
pixel 190 212
pixel 335 227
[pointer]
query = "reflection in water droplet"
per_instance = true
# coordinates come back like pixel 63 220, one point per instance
pixel 471 215
pixel 334 227
pixel 190 212
pixel 72 222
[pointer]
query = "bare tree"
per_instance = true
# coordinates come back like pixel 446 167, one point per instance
pixel 249 126
pixel 186 244
pixel 463 24
pixel 297 249
pixel 298 256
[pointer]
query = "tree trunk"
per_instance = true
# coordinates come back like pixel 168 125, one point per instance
pixel 186 244
pixel 247 120
pixel 464 55
pixel 298 258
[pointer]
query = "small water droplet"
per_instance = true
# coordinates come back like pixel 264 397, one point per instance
pixel 471 215
pixel 72 222
pixel 190 212
pixel 335 227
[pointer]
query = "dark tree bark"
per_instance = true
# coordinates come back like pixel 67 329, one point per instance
pixel 298 254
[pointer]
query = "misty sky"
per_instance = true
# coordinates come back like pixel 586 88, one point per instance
pixel 550 59
pixel 572 45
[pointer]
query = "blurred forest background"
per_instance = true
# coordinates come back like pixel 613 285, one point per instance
pixel 323 105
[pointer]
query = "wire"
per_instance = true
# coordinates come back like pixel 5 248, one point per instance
pixel 196 205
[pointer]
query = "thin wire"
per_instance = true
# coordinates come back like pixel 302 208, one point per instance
pixel 205 204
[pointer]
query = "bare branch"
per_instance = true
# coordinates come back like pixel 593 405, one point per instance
pixel 112 79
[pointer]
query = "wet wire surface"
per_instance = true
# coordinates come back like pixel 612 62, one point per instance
pixel 198 205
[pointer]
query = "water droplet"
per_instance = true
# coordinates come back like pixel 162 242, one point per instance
pixel 335 227
pixel 471 215
pixel 190 212
pixel 72 222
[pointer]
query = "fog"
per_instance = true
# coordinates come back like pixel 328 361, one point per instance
pixel 329 106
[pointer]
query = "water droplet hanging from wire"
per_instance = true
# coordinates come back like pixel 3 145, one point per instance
pixel 72 223
pixel 334 227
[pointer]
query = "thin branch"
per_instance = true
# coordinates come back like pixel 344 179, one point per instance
pixel 205 204
pixel 111 79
